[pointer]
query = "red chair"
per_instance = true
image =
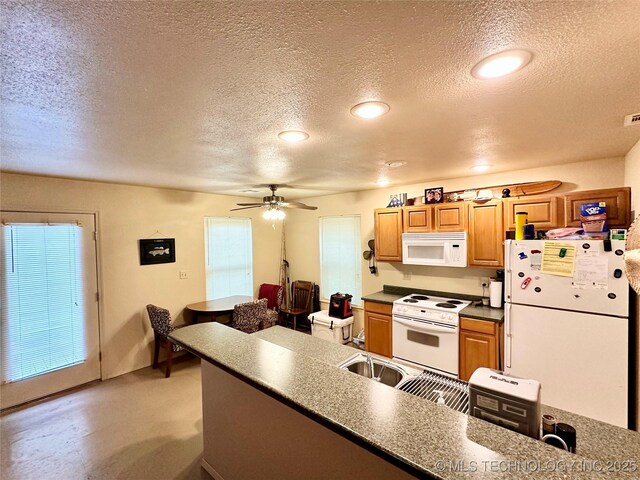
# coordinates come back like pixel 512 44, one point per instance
pixel 273 294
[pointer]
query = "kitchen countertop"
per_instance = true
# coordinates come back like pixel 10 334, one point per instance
pixel 430 440
pixel 391 293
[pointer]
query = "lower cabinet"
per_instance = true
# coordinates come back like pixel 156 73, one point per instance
pixel 480 346
pixel 378 328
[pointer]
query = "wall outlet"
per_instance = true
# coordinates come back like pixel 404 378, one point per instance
pixel 406 275
pixel 183 275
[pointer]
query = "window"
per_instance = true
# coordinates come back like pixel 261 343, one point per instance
pixel 42 296
pixel 340 256
pixel 229 256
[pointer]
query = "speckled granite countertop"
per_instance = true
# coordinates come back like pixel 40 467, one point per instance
pixel 391 293
pixel 431 440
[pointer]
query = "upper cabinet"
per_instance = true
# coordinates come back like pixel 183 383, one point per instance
pixel 418 219
pixel 618 202
pixel 486 234
pixel 544 212
pixel 451 217
pixel 388 234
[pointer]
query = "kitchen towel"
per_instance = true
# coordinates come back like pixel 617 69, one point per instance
pixel 632 256
pixel 495 294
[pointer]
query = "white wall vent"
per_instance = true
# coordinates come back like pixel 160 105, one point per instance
pixel 633 119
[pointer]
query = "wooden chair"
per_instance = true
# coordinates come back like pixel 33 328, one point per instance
pixel 160 319
pixel 300 301
pixel 253 316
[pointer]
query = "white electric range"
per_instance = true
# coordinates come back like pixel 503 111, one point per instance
pixel 425 331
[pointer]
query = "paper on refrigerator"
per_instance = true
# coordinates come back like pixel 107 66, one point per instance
pixel 555 261
pixel 591 271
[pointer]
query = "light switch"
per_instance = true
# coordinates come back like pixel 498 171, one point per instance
pixel 183 275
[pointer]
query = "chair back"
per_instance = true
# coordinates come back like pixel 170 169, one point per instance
pixel 301 297
pixel 248 316
pixel 160 320
pixel 273 294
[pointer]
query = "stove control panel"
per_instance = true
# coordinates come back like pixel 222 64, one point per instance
pixel 425 314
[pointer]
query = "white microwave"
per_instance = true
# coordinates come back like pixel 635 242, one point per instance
pixel 445 249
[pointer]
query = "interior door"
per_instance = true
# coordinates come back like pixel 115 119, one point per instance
pixel 580 359
pixel 49 317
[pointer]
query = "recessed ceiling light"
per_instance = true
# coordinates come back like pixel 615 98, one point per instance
pixel 293 136
pixel 501 64
pixel 370 110
pixel 395 164
pixel 481 168
pixel 383 182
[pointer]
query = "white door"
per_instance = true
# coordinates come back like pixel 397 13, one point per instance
pixel 49 316
pixel 580 359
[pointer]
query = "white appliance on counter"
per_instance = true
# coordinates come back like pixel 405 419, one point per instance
pixel 445 249
pixel 571 333
pixel 425 331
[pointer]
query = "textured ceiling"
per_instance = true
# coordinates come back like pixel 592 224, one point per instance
pixel 192 95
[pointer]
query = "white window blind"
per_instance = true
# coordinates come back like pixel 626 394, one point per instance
pixel 42 306
pixel 229 256
pixel 340 256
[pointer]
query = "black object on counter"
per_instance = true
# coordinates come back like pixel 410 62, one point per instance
pixel 567 433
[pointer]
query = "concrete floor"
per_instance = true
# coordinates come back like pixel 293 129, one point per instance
pixel 137 426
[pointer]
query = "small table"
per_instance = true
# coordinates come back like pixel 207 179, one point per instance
pixel 213 308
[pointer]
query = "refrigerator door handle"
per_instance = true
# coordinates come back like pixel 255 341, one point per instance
pixel 507 335
pixel 507 277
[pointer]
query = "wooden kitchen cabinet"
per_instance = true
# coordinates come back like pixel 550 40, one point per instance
pixel 378 328
pixel 543 212
pixel 388 234
pixel 451 217
pixel 480 346
pixel 486 234
pixel 417 219
pixel 618 202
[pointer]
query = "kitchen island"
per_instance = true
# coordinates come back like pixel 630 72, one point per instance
pixel 275 395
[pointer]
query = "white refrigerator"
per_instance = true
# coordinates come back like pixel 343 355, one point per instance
pixel 567 324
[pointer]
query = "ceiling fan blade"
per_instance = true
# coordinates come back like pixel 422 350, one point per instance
pixel 253 204
pixel 298 205
pixel 244 208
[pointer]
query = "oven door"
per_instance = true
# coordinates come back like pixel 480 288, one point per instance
pixel 431 344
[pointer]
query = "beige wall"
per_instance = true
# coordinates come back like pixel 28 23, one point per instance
pixel 632 179
pixel 126 214
pixel 632 176
pixel 302 226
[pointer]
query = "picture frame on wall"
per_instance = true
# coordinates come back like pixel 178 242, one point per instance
pixel 434 195
pixel 157 250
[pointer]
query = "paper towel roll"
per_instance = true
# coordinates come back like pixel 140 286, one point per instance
pixel 495 294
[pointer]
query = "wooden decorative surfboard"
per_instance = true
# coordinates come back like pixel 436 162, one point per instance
pixel 517 189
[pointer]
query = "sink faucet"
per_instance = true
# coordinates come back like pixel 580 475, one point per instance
pixel 370 363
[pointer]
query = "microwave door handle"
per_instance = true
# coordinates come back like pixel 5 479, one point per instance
pixel 423 327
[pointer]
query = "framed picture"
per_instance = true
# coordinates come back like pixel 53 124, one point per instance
pixel 157 250
pixel 434 195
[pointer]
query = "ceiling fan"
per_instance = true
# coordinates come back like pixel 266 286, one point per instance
pixel 273 203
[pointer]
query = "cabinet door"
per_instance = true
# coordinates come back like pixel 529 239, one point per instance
pixel 388 234
pixel 451 217
pixel 418 219
pixel 541 211
pixel 377 333
pixel 618 202
pixel 486 234
pixel 476 350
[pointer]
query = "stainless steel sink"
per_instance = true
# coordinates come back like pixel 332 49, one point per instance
pixel 383 371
